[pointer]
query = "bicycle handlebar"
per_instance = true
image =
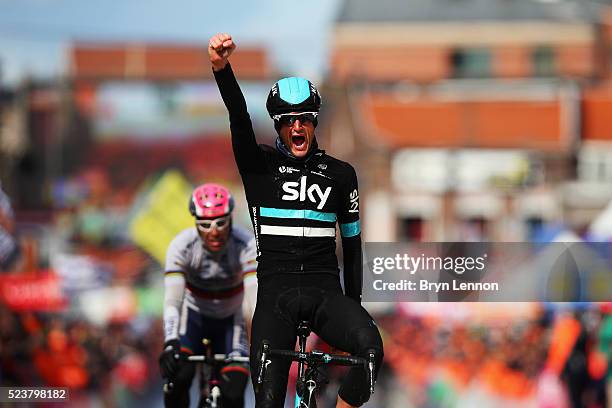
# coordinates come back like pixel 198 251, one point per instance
pixel 315 358
pixel 216 358
pixel 319 357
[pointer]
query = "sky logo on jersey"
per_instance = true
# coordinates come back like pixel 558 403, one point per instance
pixel 300 191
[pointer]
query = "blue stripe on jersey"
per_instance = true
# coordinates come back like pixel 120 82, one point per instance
pixel 297 214
pixel 293 90
pixel 351 229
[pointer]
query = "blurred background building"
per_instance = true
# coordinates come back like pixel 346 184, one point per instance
pixel 467 120
pixel 474 120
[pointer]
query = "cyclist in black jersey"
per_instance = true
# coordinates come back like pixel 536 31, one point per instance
pixel 296 195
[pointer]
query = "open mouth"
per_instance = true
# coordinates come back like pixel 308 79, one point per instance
pixel 298 141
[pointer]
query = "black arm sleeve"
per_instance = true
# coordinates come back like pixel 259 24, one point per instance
pixel 350 229
pixel 247 153
pixel 353 268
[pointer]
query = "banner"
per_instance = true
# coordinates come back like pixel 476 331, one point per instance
pixel 162 215
pixel 40 292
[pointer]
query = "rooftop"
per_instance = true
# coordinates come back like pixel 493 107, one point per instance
pixel 360 11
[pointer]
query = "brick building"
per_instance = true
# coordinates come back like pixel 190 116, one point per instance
pixel 474 119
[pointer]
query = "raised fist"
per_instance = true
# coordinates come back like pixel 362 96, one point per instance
pixel 220 47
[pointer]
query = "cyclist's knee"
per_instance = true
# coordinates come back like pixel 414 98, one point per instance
pixel 366 340
pixel 233 382
pixel 354 400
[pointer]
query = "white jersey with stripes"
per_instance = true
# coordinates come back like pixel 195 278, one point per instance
pixel 213 281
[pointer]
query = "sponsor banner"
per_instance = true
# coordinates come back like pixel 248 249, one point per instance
pixel 40 292
pixel 488 272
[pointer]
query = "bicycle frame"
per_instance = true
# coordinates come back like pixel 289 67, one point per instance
pixel 308 363
pixel 210 393
pixel 308 384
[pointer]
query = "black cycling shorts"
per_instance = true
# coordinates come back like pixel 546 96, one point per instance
pixel 283 301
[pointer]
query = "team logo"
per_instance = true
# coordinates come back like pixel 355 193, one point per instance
pixel 301 191
pixel 354 199
pixel 289 170
pixel 322 166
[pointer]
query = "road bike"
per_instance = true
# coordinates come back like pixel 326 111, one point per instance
pixel 309 365
pixel 208 368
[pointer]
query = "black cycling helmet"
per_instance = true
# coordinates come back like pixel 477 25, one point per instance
pixel 293 94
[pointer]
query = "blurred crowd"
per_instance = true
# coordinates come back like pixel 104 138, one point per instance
pixel 105 348
pixel 555 358
pixel 111 365
pixel 97 328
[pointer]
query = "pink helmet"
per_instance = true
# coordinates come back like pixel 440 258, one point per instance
pixel 210 201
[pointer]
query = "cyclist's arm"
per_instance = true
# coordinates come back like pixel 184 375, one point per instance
pixel 350 230
pixel 246 151
pixel 174 290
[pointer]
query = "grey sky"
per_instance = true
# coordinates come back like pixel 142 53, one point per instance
pixel 35 34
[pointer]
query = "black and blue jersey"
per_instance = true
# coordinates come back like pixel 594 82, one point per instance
pixel 295 204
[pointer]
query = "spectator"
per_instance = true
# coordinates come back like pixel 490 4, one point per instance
pixel 9 248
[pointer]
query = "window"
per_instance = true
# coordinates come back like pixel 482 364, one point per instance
pixel 543 60
pixel 411 229
pixel 471 63
pixel 595 164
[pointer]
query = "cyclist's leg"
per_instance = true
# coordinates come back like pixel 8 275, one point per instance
pixel 343 323
pixel 190 330
pixel 179 395
pixel 229 337
pixel 232 382
pixel 268 324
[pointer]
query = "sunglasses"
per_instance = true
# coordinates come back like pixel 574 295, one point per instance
pixel 218 223
pixel 290 118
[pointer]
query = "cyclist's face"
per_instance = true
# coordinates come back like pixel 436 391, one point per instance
pixel 297 136
pixel 214 232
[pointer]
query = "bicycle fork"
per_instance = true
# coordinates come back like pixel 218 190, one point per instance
pixel 306 398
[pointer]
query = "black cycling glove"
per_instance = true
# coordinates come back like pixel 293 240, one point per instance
pixel 169 358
